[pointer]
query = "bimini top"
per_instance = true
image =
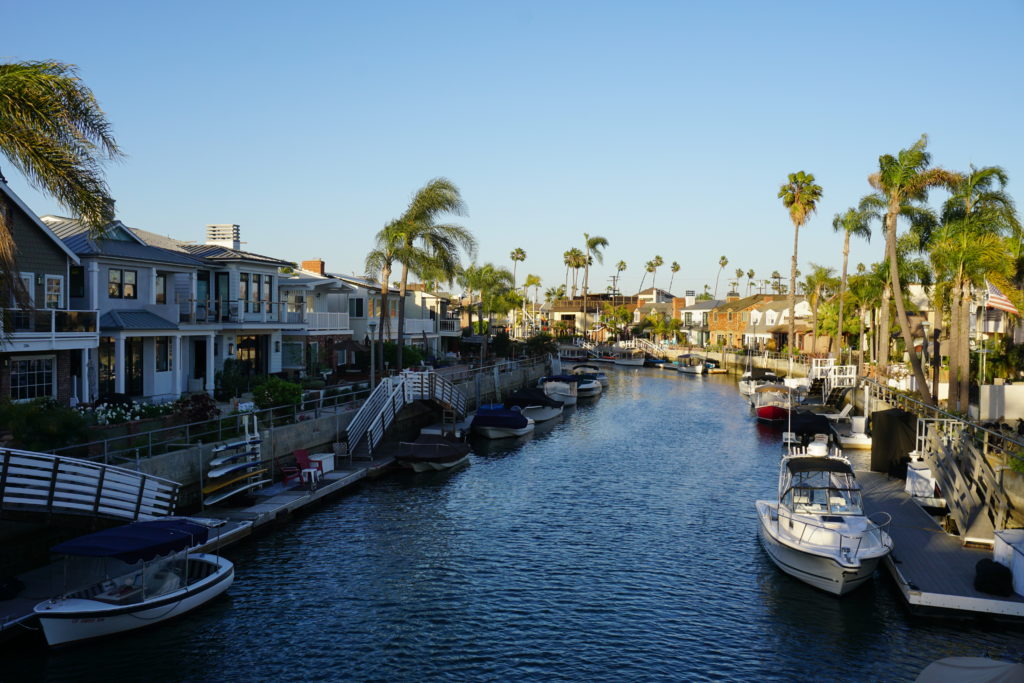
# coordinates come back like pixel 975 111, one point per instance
pixel 137 541
pixel 812 464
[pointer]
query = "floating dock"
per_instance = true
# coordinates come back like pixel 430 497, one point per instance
pixel 933 569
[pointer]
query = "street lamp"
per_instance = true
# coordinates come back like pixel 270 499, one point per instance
pixel 373 356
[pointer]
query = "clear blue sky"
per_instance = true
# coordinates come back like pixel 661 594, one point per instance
pixel 666 127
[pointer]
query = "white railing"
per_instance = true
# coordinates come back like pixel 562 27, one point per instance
pixel 642 344
pixel 838 377
pixel 820 368
pixel 43 482
pixel 450 325
pixel 371 407
pixel 416 326
pixel 429 386
pixel 326 321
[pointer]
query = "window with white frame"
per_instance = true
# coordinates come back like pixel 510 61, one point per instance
pixel 356 307
pixel 164 355
pixel 33 377
pixel 54 291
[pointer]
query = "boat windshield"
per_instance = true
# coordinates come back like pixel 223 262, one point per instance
pixel 820 493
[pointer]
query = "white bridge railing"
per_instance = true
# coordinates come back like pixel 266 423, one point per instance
pixel 642 344
pixel 390 396
pixel 43 482
pixel 839 377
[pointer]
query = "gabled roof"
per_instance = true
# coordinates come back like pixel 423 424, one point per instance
pixel 652 290
pixel 660 307
pixel 358 281
pixel 134 320
pixel 748 301
pixel 74 232
pixel 16 200
pixel 702 305
pixel 212 252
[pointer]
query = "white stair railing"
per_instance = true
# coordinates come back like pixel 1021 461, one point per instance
pixel 48 483
pixel 371 407
pixel 838 377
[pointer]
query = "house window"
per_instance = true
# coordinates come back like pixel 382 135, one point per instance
pixel 164 361
pixel 161 289
pixel 121 284
pixel 54 291
pixel 745 316
pixel 355 307
pixel 33 377
pixel 255 290
pixel 243 291
pixel 688 317
pixel 266 291
pixel 729 316
pixel 77 282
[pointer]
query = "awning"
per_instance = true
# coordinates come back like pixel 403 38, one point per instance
pixel 137 541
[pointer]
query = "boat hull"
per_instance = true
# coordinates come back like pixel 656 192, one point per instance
pixel 542 413
pixel 588 391
pixel 502 432
pixel 631 362
pixel 772 413
pixel 75 619
pixel 691 369
pixel 560 394
pixel 819 571
pixel 433 465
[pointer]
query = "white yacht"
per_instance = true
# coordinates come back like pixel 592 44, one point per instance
pixel 817 530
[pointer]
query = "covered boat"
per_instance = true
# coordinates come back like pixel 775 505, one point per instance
pixel 495 421
pixel 629 357
pixel 754 378
pixel 816 530
pixel 432 452
pixel 772 402
pixel 591 372
pixel 690 364
pixel 560 387
pixel 145 575
pixel 585 386
pixel 534 404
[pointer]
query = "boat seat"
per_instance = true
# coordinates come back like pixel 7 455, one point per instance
pixel 164 581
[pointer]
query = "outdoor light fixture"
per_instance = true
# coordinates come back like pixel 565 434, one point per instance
pixel 39 278
pixel 277 346
pixel 231 349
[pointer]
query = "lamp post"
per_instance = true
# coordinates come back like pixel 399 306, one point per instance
pixel 373 356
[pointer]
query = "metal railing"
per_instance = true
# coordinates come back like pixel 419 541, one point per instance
pixel 197 311
pixel 43 482
pixel 819 535
pixel 48 321
pixel 369 411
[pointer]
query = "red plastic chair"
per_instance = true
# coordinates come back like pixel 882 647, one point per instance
pixel 303 466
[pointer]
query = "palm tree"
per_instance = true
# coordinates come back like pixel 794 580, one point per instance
pixel 568 259
pixel 675 269
pixel 382 260
pixel 854 222
pixel 777 285
pixel 657 262
pixel 531 281
pixel 649 267
pixel 592 247
pixel 966 250
pixel 722 263
pixel 53 131
pixel 619 267
pixel 902 178
pixel 800 195
pixel 575 259
pixel 818 284
pixel 517 255
pixel 750 278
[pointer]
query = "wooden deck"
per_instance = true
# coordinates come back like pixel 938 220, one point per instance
pixel 933 570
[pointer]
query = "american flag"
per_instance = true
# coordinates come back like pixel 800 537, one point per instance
pixel 997 299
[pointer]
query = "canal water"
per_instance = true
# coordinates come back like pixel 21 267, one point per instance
pixel 616 544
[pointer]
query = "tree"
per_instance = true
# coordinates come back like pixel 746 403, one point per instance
pixel 854 222
pixel 722 263
pixel 656 262
pixel 750 278
pixel 425 245
pixel 800 196
pixel 619 267
pixel 532 281
pixel 967 249
pixel 902 178
pixel 577 259
pixel 818 284
pixel 674 269
pixel 517 255
pixel 53 131
pixel 381 261
pixel 592 247
pixel 649 267
pixel 617 317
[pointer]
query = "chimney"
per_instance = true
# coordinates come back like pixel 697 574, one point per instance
pixel 732 296
pixel 224 235
pixel 314 266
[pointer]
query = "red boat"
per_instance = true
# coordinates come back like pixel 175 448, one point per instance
pixel 772 402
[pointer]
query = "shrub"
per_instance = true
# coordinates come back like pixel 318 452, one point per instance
pixel 411 356
pixel 541 344
pixel 232 380
pixel 310 383
pixel 43 424
pixel 274 391
pixel 196 408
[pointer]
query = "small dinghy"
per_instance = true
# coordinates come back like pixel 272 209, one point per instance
pixel 148 576
pixel 432 452
pixel 534 404
pixel 495 421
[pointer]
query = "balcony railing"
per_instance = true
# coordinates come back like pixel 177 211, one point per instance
pixel 449 325
pixel 318 320
pixel 199 311
pixel 49 322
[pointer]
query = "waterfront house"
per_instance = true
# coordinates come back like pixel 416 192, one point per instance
pixel 694 314
pixel 316 336
pixel 50 340
pixel 132 285
pixel 728 321
pixel 768 322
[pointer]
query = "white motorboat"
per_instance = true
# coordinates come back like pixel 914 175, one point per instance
pixel 817 530
pixel 148 577
pixel 534 404
pixel 560 388
pixel 587 388
pixel 591 372
pixel 495 421
pixel 690 364
pixel 433 452
pixel 629 357
pixel 754 378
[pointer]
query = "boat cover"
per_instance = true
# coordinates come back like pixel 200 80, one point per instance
pixel 531 397
pixel 497 415
pixel 137 541
pixel 434 448
pixel 804 422
pixel 811 464
pixel 893 436
pixel 567 378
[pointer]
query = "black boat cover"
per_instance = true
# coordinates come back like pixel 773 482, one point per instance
pixel 137 541
pixel 804 422
pixel 433 448
pixel 810 464
pixel 531 397
pixel 893 436
pixel 497 415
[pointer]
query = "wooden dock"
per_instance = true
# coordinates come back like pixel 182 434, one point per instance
pixel 933 569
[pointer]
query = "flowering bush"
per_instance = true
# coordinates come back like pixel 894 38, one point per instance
pixel 111 413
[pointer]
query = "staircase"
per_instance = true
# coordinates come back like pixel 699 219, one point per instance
pixel 384 403
pixel 644 345
pixel 53 484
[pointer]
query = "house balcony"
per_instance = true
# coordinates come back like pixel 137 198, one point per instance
pixel 319 321
pixel 49 329
pixel 230 311
pixel 449 327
